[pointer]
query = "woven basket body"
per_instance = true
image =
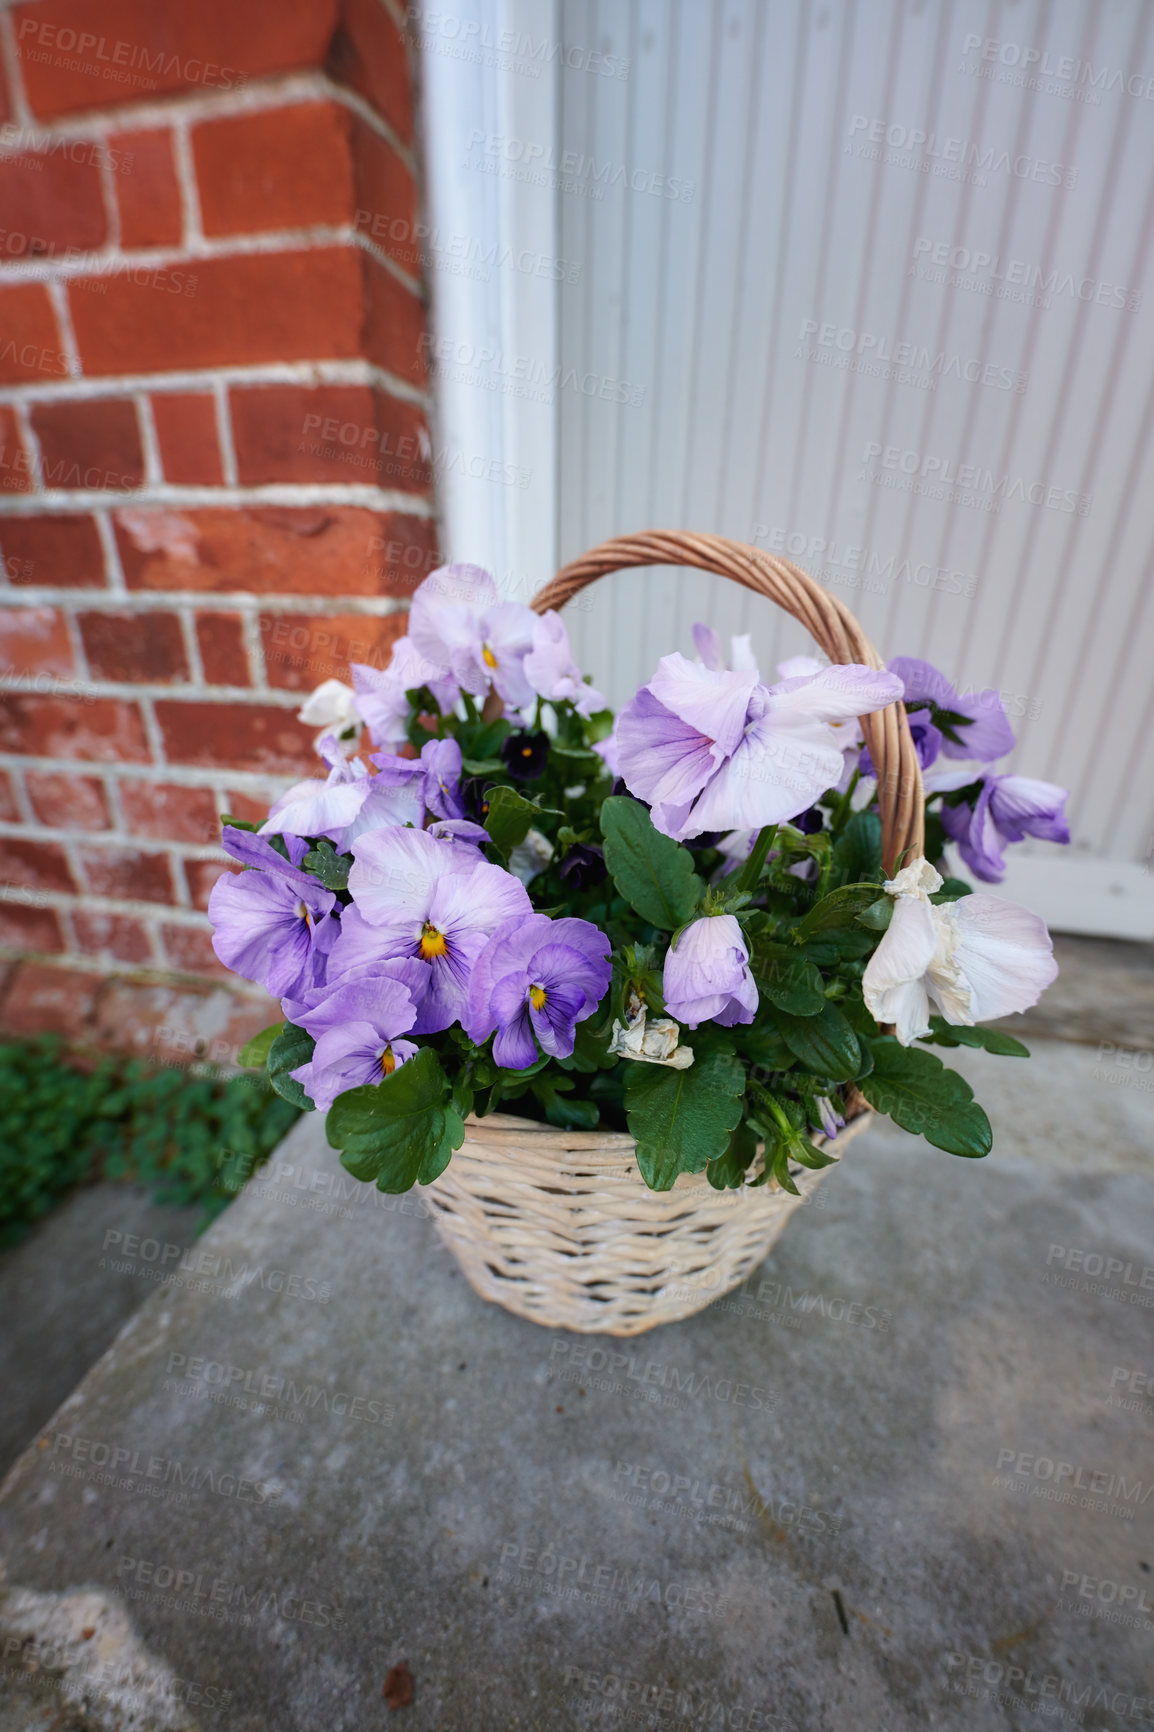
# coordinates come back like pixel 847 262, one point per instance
pixel 558 1226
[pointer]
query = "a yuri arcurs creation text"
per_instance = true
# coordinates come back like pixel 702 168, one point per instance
pixel 674 923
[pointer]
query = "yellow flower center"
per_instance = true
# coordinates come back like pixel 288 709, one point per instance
pixel 488 657
pixel 433 943
pixel 537 997
pixel 388 1062
pixel 526 751
pixel 302 912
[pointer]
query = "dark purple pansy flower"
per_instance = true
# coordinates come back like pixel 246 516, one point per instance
pixel 540 977
pixel 809 823
pixel 928 742
pixel 525 755
pixel 985 734
pixel 583 867
pixel 1008 809
pixel 357 1028
pixel 274 925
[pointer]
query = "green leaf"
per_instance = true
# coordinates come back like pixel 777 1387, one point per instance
pixel 511 816
pixel 728 1171
pixel 842 944
pixel 952 890
pixel 878 915
pixel 986 1039
pixel 683 1119
pixel 325 863
pixel 839 908
pixel 238 823
pixel 401 1131
pixel 825 1044
pixel 653 872
pixel 787 980
pixel 483 766
pixel 291 1048
pixel 254 1052
pixel 857 852
pixel 921 1095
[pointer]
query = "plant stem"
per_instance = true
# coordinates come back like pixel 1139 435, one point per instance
pixel 751 871
pixel 843 809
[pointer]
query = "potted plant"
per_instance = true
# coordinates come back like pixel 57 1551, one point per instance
pixel 618 990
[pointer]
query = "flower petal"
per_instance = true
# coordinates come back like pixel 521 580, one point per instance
pixel 836 693
pixel 893 984
pixel 1005 954
pixel 714 703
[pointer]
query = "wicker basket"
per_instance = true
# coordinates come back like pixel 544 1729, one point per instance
pixel 558 1226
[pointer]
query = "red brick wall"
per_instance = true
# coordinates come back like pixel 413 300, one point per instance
pixel 215 486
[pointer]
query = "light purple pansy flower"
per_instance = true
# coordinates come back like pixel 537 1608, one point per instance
pixel 423 900
pixel 707 977
pixel 707 643
pixel 551 671
pixel 458 622
pixel 441 763
pixel 987 734
pixel 540 977
pixel 1008 809
pixel 380 692
pixel 274 925
pixel 716 750
pixel 349 801
pixel 357 1027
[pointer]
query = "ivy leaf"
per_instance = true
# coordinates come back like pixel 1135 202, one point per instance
pixel 401 1131
pixel 289 1049
pixel 511 816
pixel 987 1039
pixel 653 872
pixel 254 1053
pixel 787 980
pixel 839 908
pixel 825 1044
pixel 922 1096
pixel 325 863
pixel 857 853
pixel 683 1119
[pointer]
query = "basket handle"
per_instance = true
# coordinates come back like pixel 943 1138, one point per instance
pixel 829 622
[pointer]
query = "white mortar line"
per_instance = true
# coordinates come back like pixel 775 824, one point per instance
pixel 191 224
pixel 58 295
pixel 29 820
pixel 191 647
pixel 151 726
pixel 254 647
pixel 31 442
pixel 76 641
pixel 225 442
pixel 353 371
pixel 229 601
pixel 114 571
pixel 260 784
pixel 91 903
pixel 370 498
pixel 149 440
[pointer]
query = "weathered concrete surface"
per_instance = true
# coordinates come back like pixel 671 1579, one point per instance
pixel 1104 992
pixel 841 1552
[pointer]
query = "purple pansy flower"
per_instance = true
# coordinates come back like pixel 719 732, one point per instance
pixel 441 763
pixel 707 643
pixel 713 750
pixel 986 735
pixel 928 742
pixel 707 977
pixel 380 693
pixel 274 925
pixel 551 671
pixel 457 622
pixel 357 1028
pixel 540 977
pixel 350 801
pixel 423 900
pixel 1008 809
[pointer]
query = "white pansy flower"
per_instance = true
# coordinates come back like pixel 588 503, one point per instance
pixel 969 961
pixel 333 706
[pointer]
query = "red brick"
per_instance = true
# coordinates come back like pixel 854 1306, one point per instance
pixel 34 865
pixel 343 433
pixel 62 551
pixel 300 651
pixel 394 324
pixel 89 444
pixel 68 802
pixel 368 52
pixel 236 736
pixel 9 811
pixel 128 873
pixel 222 649
pixel 41 999
pixel 15 463
pixel 27 927
pixel 285 306
pixel 120 937
pixel 325 550
pixel 386 196
pixel 246 807
pixel 166 812
pixel 202 875
pixel 186 431
pixel 279 168
pixel 215 45
pixel 98 730
pixel 190 952
pixel 52 200
pixel 147 190
pixel 146 648
pixel 34 640
pixel 29 340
